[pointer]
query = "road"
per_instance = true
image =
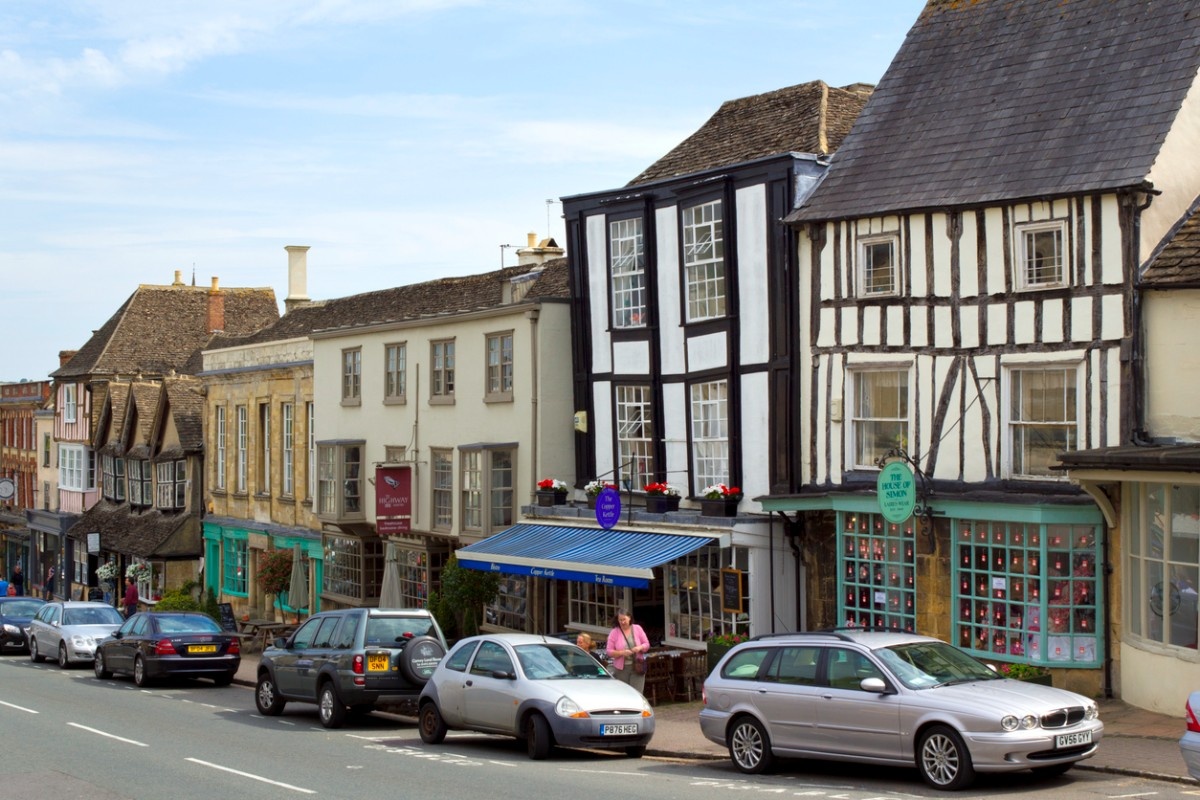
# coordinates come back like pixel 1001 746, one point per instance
pixel 65 734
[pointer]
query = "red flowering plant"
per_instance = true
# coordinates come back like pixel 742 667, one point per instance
pixel 719 491
pixel 594 488
pixel 552 485
pixel 728 639
pixel 661 488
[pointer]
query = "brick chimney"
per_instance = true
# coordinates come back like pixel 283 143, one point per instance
pixel 216 308
pixel 297 277
pixel 64 356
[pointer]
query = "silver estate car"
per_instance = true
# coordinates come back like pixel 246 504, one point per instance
pixel 69 631
pixel 890 698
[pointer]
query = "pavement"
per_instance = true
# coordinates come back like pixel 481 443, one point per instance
pixel 1136 742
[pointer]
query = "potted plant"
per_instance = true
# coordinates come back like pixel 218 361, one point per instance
pixel 1026 672
pixel 720 644
pixel 720 500
pixel 661 497
pixel 551 492
pixel 593 489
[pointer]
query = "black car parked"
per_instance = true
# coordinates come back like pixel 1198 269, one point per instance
pixel 351 660
pixel 160 644
pixel 15 613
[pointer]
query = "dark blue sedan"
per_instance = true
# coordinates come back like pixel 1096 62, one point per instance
pixel 15 613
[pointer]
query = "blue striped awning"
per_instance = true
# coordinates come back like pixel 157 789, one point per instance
pixel 592 555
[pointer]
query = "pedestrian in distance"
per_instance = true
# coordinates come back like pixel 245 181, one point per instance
pixel 48 586
pixel 17 581
pixel 131 597
pixel 627 647
pixel 3 587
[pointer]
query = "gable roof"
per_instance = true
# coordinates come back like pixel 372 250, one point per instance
pixel 439 297
pixel 999 100
pixel 160 329
pixel 1178 263
pixel 808 118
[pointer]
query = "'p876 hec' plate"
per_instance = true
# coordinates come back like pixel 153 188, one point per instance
pixel 1073 739
pixel 618 730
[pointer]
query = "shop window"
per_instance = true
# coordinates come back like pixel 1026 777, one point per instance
pixel 353 569
pixel 508 610
pixel 236 565
pixel 593 605
pixel 1162 571
pixel 339 482
pixel 420 571
pixel 695 602
pixel 1027 592
pixel 878 575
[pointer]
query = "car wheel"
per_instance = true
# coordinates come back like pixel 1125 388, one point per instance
pixel 943 759
pixel 433 727
pixel 538 739
pixel 100 669
pixel 34 655
pixel 1053 771
pixel 139 672
pixel 266 697
pixel 637 751
pixel 749 746
pixel 330 709
pixel 63 661
pixel 420 658
pixel 223 680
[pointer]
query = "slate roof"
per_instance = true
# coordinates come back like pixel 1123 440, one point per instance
pixel 163 328
pixel 440 297
pixel 143 534
pixel 998 100
pixel 808 118
pixel 1178 263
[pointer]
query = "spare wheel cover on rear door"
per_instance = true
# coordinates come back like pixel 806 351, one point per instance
pixel 420 658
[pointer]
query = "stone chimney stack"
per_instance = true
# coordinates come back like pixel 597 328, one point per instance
pixel 65 356
pixel 538 252
pixel 297 277
pixel 216 308
pixel 178 278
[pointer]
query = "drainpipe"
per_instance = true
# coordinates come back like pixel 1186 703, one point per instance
pixel 532 315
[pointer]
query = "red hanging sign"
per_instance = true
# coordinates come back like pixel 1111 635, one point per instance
pixel 393 500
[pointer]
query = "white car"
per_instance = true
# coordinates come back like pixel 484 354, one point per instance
pixel 537 688
pixel 69 631
pixel 1189 743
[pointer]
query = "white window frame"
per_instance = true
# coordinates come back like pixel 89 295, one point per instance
pixel 312 449
pixel 487 487
pixel 634 407
pixel 1016 428
pixel 704 261
pixel 1162 564
pixel 172 484
pixel 340 495
pixel 627 272
pixel 1028 268
pixel 243 445
pixel 441 383
pixel 873 278
pixel 141 482
pixel 222 447
pixel 395 364
pixel 70 402
pixel 499 378
pixel 708 404
pixel 442 488
pixel 72 467
pixel 864 419
pixel 264 448
pixel 288 479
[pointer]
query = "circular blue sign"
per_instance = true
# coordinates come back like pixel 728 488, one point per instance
pixel 608 508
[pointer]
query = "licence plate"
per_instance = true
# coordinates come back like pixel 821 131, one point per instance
pixel 202 648
pixel 378 662
pixel 618 730
pixel 1073 739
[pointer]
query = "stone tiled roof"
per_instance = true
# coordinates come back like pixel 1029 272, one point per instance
pixel 435 298
pixel 142 411
pixel 185 404
pixel 1179 261
pixel 160 329
pixel 998 100
pixel 809 118
pixel 146 534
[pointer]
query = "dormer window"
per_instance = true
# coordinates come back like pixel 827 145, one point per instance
pixel 1041 254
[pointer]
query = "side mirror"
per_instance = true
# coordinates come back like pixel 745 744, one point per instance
pixel 116 634
pixel 875 685
pixel 281 642
pixel 502 675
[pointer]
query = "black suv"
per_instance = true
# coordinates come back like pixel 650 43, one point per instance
pixel 351 660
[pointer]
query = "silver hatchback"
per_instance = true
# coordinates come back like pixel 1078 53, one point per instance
pixel 890 698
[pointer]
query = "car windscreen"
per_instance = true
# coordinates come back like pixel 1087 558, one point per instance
pixel 100 615
pixel 921 665
pixel 20 608
pixel 549 661
pixel 186 623
pixel 392 630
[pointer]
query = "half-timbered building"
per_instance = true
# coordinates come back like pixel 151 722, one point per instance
pixel 968 265
pixel 686 300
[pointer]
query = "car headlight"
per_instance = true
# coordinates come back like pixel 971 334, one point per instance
pixel 14 630
pixel 1092 712
pixel 1012 723
pixel 82 641
pixel 566 707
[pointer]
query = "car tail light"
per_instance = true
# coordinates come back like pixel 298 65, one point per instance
pixel 235 647
pixel 1193 724
pixel 357 667
pixel 163 647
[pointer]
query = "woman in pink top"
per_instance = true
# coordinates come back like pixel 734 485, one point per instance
pixel 624 642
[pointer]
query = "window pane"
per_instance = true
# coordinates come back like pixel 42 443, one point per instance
pixel 627 269
pixel 704 261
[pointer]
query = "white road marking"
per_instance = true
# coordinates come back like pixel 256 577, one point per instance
pixel 18 708
pixel 251 776
pixel 109 735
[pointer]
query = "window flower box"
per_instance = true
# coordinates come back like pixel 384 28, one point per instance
pixel 551 492
pixel 662 503
pixel 723 507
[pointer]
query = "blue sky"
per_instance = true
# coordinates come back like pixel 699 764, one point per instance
pixel 403 140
